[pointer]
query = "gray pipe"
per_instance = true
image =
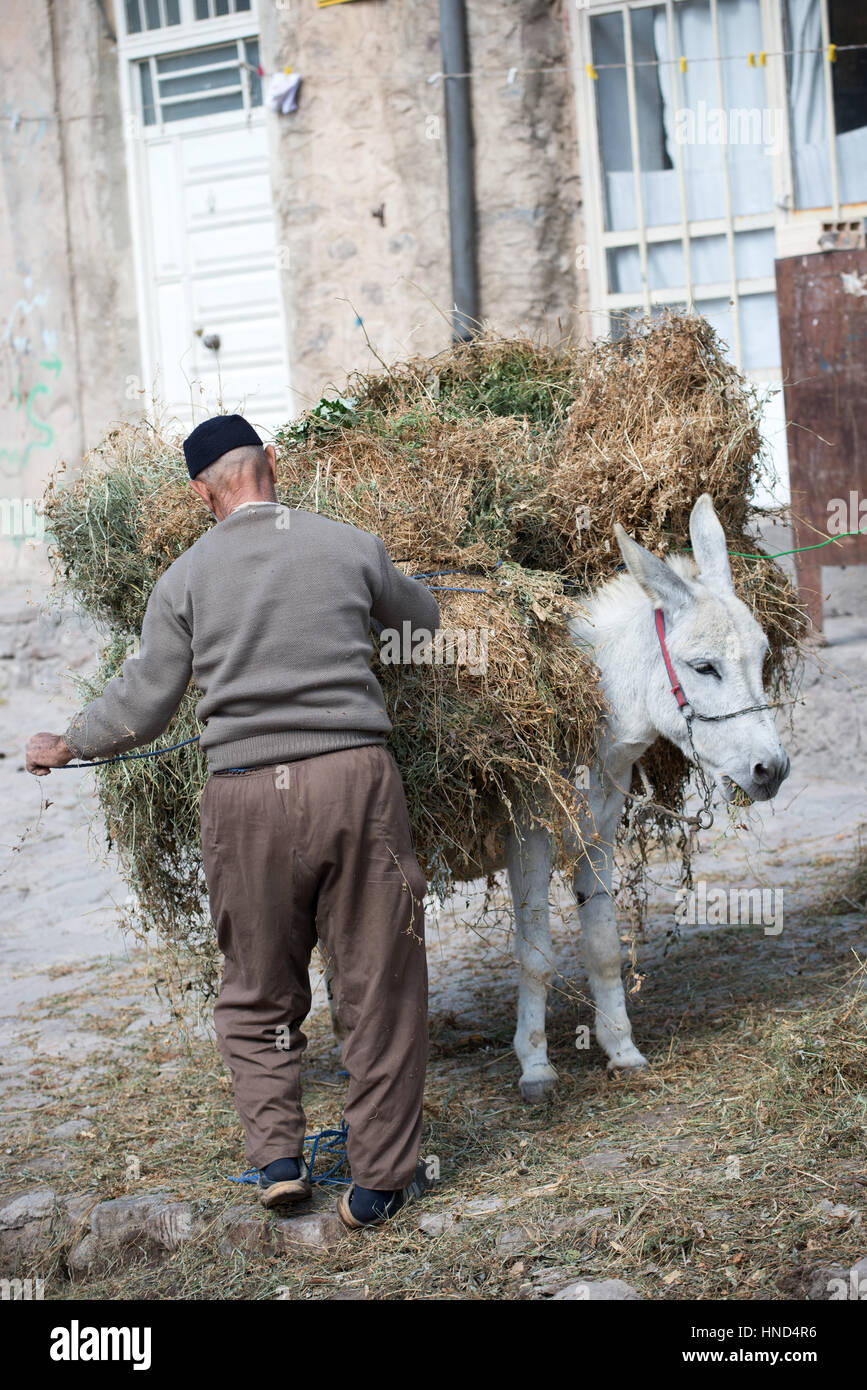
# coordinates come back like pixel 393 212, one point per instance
pixel 459 161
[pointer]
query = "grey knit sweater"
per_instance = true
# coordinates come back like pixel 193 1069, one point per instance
pixel 270 613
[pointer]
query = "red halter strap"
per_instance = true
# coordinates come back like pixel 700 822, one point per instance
pixel 676 689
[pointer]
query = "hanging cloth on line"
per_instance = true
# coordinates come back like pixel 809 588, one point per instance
pixel 282 94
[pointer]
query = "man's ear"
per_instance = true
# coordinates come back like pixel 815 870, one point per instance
pixel 709 544
pixel 271 454
pixel 656 578
pixel 201 490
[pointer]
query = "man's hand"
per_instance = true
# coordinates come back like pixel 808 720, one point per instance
pixel 45 751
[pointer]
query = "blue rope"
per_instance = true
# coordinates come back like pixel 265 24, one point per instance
pixel 425 574
pixel 450 588
pixel 453 589
pixel 331 1142
pixel 128 757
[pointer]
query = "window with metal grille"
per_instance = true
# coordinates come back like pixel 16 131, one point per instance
pixel 700 156
pixel 213 9
pixel 142 16
pixel 200 82
pixel 827 97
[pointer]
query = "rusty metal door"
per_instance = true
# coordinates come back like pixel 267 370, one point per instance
pixel 822 303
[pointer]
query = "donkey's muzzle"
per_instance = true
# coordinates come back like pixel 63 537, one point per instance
pixel 769 776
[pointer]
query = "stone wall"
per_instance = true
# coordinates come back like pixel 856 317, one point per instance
pixel 68 327
pixel 370 134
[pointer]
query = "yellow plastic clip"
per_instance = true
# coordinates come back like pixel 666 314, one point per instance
pixel 682 64
pixel 288 72
pixel 832 53
pixel 591 72
pixel 751 60
pixel 763 59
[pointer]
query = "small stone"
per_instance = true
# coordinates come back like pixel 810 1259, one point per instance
pixel 512 1241
pixel 839 1212
pixel 437 1223
pixel 16 1212
pixel 605 1159
pixel 483 1206
pixel 172 1225
pixel 597 1291
pixel 836 1284
pixel 577 1222
pixel 26 1228
pixel 320 1230
pixel 239 1229
pixel 78 1208
pixel 125 1228
pixel 70 1129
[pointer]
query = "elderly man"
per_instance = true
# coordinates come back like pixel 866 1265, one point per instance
pixel 305 832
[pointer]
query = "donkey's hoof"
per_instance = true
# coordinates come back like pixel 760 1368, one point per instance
pixel 538 1086
pixel 627 1058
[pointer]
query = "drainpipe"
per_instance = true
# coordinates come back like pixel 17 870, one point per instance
pixel 459 164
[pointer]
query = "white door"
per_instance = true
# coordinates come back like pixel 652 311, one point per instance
pixel 213 335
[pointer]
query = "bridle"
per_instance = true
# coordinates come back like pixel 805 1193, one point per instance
pixel 703 819
pixel 683 704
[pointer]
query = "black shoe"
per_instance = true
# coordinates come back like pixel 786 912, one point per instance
pixel 283 1181
pixel 368 1206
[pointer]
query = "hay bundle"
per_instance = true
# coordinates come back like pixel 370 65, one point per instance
pixel 477 460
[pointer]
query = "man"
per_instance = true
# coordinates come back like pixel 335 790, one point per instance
pixel 305 832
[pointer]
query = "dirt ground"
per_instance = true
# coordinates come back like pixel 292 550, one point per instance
pixel 733 1168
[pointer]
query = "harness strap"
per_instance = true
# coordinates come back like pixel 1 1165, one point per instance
pixel 676 688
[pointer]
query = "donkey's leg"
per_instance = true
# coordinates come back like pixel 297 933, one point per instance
pixel 528 859
pixel 328 975
pixel 601 942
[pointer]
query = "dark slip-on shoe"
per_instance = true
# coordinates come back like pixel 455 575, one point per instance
pixel 375 1208
pixel 283 1182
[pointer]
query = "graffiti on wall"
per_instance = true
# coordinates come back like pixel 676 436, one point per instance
pixel 32 401
pixel 34 367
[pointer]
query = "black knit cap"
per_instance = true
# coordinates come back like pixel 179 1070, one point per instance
pixel 215 437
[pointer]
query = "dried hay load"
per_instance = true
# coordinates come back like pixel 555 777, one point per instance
pixel 480 460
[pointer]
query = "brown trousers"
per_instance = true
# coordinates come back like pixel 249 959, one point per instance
pixel 321 849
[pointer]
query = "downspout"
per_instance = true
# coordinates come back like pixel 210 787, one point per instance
pixel 460 172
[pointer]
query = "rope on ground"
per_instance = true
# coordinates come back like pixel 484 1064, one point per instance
pixel 328 1142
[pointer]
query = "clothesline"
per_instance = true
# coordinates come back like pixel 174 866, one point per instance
pixel 753 60
pixel 757 58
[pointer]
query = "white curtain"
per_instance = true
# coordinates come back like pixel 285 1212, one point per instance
pixel 809 123
pixel 743 88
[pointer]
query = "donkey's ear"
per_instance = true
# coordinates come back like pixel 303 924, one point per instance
pixel 709 544
pixel 656 578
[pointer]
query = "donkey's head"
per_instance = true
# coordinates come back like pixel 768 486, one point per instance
pixel 717 651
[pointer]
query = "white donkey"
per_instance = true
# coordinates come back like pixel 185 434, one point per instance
pixel 662 623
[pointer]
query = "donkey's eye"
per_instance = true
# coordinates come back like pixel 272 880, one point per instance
pixel 705 668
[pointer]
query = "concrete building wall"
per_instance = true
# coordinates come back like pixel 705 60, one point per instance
pixel 68 330
pixel 370 133
pixel 527 180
